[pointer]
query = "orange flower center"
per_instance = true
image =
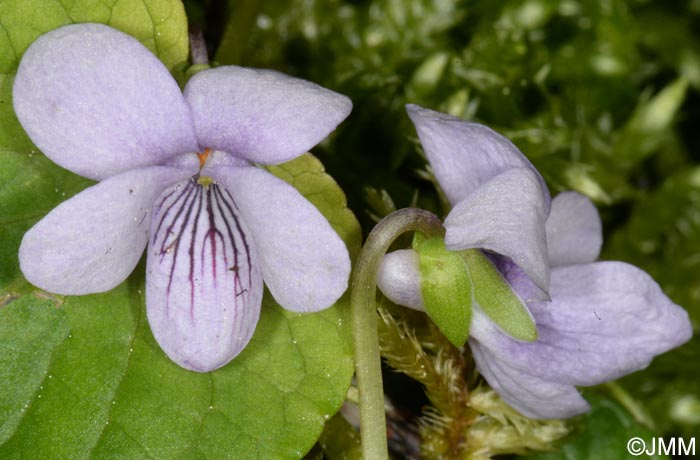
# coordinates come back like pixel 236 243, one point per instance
pixel 203 157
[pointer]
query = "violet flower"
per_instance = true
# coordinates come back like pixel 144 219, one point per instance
pixel 596 321
pixel 177 173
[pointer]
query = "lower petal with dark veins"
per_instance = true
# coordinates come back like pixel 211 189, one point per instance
pixel 204 283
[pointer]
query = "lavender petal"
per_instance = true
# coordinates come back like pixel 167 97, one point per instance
pixel 204 285
pixel 305 264
pixel 98 103
pixel 262 115
pixel 574 230
pixel 466 155
pixel 91 242
pixel 505 215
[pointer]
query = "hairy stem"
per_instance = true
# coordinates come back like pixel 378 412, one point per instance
pixel 364 322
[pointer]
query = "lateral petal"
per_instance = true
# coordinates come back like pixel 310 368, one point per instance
pixel 304 262
pixel 505 215
pixel 204 284
pixel 262 115
pixel 466 155
pixel 98 103
pixel 574 230
pixel 91 242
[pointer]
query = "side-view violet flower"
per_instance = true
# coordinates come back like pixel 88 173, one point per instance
pixel 596 321
pixel 177 173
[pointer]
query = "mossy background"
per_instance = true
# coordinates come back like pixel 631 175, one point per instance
pixel 602 95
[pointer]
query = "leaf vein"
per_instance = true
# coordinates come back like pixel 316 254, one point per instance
pixel 29 403
pixel 136 298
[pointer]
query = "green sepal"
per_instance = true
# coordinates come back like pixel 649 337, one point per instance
pixel 446 289
pixel 195 69
pixel 418 238
pixel 495 296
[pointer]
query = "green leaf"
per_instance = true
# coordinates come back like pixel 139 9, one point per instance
pixel 493 294
pixel 603 434
pixel 82 377
pixel 446 289
pixel 30 329
pixel 161 25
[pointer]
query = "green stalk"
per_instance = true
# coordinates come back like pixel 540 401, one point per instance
pixel 364 322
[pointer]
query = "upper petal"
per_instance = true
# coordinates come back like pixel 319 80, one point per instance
pixel 262 115
pixel 605 320
pixel 574 230
pixel 97 102
pixel 91 242
pixel 204 285
pixel 505 215
pixel 305 264
pixel 466 155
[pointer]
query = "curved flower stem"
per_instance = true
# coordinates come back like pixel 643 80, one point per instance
pixel 198 47
pixel 364 322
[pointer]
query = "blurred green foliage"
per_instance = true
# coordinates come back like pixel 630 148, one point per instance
pixel 602 95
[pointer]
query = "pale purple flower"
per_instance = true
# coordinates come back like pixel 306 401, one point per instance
pixel 98 103
pixel 596 321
